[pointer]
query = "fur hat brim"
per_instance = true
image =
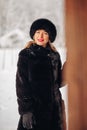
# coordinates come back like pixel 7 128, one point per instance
pixel 45 24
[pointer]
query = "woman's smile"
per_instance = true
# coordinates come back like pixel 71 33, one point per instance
pixel 40 39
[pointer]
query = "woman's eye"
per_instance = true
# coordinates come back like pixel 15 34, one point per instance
pixel 45 33
pixel 37 32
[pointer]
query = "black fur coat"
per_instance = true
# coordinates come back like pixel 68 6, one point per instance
pixel 38 80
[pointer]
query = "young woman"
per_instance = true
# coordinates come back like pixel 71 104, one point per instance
pixel 38 80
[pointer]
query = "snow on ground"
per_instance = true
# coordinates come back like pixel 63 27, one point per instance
pixel 8 105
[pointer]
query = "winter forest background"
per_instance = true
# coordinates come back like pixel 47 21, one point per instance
pixel 16 17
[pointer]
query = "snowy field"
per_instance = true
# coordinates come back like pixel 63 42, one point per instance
pixel 8 106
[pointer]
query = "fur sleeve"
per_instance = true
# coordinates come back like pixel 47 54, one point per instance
pixel 23 95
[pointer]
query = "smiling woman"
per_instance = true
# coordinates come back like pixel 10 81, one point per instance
pixel 41 37
pixel 38 80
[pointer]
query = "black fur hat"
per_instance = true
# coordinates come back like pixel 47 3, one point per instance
pixel 45 24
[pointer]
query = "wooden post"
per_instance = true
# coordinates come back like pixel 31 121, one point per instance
pixel 76 67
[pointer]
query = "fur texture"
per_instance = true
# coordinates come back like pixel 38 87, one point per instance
pixel 45 24
pixel 38 80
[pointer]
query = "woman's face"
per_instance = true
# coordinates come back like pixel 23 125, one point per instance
pixel 41 37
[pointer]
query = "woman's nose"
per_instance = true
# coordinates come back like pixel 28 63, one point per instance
pixel 41 35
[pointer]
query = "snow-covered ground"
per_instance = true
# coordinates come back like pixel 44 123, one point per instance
pixel 8 105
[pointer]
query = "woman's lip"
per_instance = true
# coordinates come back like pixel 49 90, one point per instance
pixel 40 40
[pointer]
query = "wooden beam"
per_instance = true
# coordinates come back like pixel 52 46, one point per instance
pixel 76 67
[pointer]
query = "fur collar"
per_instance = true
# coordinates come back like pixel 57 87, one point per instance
pixel 28 44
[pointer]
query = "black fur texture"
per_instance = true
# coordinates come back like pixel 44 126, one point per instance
pixel 38 80
pixel 45 24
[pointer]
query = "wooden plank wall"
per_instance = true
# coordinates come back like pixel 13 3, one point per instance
pixel 76 68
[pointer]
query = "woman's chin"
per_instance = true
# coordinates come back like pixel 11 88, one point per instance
pixel 41 44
